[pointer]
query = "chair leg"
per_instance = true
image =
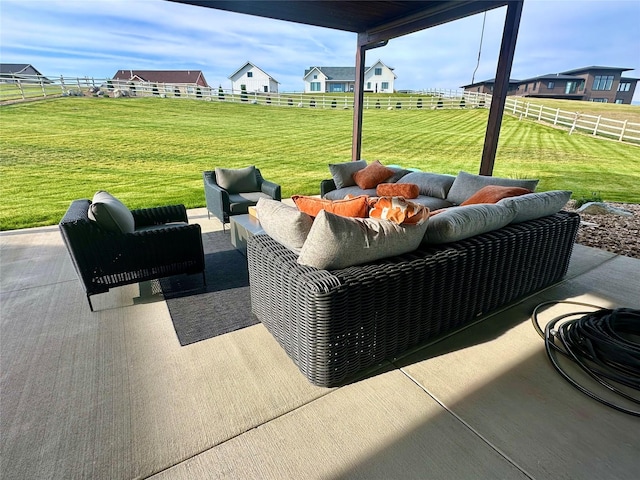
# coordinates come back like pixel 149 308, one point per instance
pixel 204 279
pixel 89 300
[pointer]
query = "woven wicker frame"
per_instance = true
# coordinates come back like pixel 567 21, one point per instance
pixel 334 324
pixel 105 259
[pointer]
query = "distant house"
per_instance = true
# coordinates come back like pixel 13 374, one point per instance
pixel 377 78
pixel 175 81
pixel 486 86
pixel 254 79
pixel 594 84
pixel 25 72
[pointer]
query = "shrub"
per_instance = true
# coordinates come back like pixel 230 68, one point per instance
pixel 595 197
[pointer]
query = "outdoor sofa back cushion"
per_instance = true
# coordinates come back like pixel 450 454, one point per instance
pixel 466 184
pixel 237 180
pixel 284 223
pixel 111 214
pixel 338 242
pixel 430 184
pixel 457 223
pixel 342 173
pixel 537 204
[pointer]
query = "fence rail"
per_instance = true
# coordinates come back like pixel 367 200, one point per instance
pixel 17 88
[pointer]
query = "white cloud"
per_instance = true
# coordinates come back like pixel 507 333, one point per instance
pixel 95 38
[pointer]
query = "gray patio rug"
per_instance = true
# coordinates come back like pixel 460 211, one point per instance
pixel 199 313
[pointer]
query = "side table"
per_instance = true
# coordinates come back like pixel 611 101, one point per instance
pixel 243 227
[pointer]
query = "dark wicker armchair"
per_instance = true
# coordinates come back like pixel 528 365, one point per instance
pixel 162 244
pixel 224 204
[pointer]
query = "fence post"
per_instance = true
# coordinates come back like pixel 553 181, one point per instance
pixel 573 127
pixel 624 127
pixel 540 114
pixel 515 105
pixel 62 83
pixel 555 120
pixel 44 92
pixel 595 129
pixel 20 88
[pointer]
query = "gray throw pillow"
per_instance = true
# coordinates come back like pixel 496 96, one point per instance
pixel 237 180
pixel 342 173
pixel 458 223
pixel 285 224
pixel 339 242
pixel 111 214
pixel 398 173
pixel 536 205
pixel 466 184
pixel 430 184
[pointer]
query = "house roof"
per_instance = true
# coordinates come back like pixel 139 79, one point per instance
pixel 254 66
pixel 163 76
pixel 550 76
pixel 490 81
pixel 344 74
pixel 18 68
pixel 594 67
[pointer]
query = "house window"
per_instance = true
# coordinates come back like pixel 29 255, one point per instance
pixel 619 100
pixel 624 87
pixel 315 77
pixel 385 86
pixel 571 87
pixel 266 89
pixel 315 86
pixel 378 71
pixel 600 100
pixel 602 82
pixel 249 74
pixel 551 85
pixel 368 85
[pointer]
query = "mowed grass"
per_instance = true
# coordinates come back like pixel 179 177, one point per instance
pixel 152 151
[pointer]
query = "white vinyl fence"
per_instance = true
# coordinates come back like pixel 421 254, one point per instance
pixel 25 88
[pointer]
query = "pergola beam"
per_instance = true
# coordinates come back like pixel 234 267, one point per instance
pixel 501 87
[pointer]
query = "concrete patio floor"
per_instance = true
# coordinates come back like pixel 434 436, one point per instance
pixel 113 395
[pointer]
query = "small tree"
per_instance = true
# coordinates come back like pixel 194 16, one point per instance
pixel 198 92
pixel 176 91
pixel 243 93
pixel 220 93
pixel 155 90
pixel 419 103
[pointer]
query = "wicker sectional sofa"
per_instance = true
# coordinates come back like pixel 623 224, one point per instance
pixel 336 321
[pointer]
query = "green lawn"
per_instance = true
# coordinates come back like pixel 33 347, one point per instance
pixel 152 151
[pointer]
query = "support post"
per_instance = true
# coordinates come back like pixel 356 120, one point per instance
pixel 358 96
pixel 501 87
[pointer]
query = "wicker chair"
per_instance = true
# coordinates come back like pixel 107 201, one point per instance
pixel 157 248
pixel 224 204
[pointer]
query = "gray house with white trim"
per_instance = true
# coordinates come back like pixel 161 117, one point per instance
pixel 378 78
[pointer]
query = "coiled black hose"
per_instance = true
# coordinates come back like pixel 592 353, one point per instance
pixel 604 343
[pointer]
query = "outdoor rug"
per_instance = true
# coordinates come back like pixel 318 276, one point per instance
pixel 223 306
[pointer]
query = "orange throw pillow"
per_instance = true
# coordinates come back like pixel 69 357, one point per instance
pixel 357 207
pixel 372 175
pixel 494 193
pixel 406 190
pixel 398 210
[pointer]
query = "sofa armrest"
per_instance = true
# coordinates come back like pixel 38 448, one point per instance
pixel 272 189
pixel 216 197
pixel 145 217
pixel 327 186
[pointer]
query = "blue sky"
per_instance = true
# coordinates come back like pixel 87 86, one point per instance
pixel 98 37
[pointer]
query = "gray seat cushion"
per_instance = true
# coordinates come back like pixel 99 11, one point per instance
pixel 110 213
pixel 237 180
pixel 240 202
pixel 356 191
